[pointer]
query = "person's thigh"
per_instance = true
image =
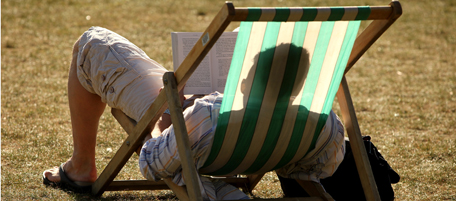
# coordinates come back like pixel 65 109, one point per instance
pixel 118 71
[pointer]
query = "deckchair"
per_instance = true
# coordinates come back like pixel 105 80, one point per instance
pixel 326 38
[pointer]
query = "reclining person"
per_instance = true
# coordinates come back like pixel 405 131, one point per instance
pixel 108 69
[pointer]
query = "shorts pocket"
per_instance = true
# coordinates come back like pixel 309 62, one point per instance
pixel 115 81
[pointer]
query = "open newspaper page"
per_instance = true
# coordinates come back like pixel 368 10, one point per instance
pixel 221 55
pixel 212 72
pixel 200 82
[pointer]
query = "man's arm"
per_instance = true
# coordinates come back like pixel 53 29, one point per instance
pixel 163 123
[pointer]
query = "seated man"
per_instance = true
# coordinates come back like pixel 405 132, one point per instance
pixel 108 69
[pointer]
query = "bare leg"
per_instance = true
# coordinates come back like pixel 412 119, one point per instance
pixel 86 109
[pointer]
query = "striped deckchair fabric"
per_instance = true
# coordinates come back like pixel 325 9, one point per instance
pixel 279 92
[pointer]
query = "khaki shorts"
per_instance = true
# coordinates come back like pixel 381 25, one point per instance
pixel 118 71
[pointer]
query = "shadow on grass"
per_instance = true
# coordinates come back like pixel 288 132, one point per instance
pixel 124 195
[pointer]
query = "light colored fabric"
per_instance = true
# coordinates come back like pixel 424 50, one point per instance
pixel 324 160
pixel 159 157
pixel 118 71
pixel 219 190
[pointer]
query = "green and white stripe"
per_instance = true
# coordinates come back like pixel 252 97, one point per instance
pixel 280 89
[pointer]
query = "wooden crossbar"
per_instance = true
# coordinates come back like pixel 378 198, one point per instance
pixel 376 12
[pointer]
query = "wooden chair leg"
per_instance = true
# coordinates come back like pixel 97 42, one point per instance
pixel 127 123
pixel 129 146
pixel 253 181
pixel 180 191
pixel 368 37
pixel 315 189
pixel 356 142
pixel 183 143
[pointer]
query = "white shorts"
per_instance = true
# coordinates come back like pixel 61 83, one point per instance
pixel 118 71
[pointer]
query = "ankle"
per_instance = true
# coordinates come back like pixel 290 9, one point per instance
pixel 80 171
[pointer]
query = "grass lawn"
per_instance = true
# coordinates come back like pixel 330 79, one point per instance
pixel 403 88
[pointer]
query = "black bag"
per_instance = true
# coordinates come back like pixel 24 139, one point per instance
pixel 345 183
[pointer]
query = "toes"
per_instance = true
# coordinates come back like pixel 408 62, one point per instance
pixel 52 174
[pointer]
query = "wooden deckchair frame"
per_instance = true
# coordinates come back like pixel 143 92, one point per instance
pixel 382 18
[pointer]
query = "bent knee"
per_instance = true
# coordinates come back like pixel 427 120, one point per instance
pixel 75 54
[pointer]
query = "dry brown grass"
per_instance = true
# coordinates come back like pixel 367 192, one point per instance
pixel 403 88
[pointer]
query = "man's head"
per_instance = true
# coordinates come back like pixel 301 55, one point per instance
pixel 281 68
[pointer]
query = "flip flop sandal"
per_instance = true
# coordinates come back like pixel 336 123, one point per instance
pixel 67 184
